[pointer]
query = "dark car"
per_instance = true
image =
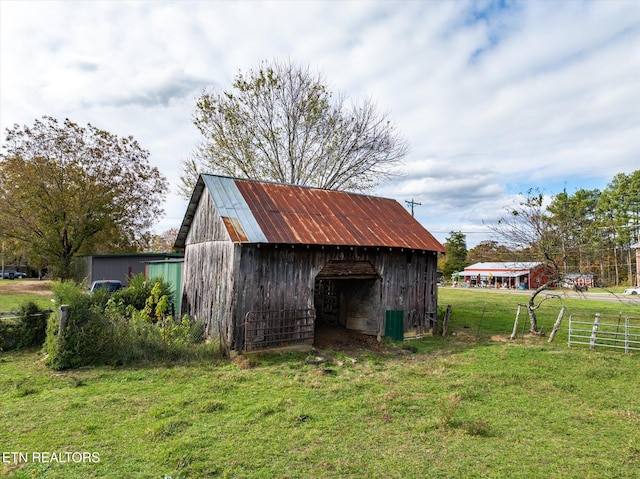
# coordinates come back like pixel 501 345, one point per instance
pixel 13 274
pixel 110 284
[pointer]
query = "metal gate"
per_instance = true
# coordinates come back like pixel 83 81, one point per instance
pixel 278 328
pixel 616 332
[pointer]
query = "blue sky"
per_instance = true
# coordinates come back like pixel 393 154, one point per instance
pixel 493 97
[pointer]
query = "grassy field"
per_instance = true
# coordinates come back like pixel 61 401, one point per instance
pixel 483 314
pixel 469 405
pixel 15 292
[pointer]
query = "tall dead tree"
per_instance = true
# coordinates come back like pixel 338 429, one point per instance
pixel 527 229
pixel 281 123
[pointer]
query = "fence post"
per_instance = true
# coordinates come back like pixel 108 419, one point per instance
pixel 626 335
pixel 556 325
pixel 515 324
pixel 445 320
pixel 594 332
pixel 64 315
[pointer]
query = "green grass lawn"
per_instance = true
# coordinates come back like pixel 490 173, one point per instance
pixel 13 293
pixel 462 406
pixel 483 314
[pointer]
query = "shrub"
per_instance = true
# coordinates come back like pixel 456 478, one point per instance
pixel 28 330
pixel 32 329
pixel 120 328
pixel 8 334
pixel 134 297
pixel 85 338
pixel 101 296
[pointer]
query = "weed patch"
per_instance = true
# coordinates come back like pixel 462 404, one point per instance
pixel 168 429
pixel 477 427
pixel 23 388
pixel 447 408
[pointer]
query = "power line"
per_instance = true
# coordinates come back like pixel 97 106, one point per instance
pixel 458 231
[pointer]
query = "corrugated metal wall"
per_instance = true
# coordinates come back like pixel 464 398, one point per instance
pixel 171 272
pixel 120 267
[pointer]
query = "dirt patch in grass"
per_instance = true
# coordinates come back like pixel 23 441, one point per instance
pixel 465 337
pixel 500 338
pixel 23 286
pixel 339 338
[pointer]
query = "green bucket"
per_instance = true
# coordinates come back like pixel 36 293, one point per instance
pixel 394 325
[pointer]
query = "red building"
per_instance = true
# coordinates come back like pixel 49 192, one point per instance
pixel 523 275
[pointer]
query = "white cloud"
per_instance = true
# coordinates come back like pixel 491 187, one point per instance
pixel 494 98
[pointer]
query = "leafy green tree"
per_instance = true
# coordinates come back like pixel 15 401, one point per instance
pixel 281 123
pixel 68 190
pixel 489 250
pixel 575 219
pixel 456 257
pixel 619 214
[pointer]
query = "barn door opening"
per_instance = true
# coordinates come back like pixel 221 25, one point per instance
pixel 347 295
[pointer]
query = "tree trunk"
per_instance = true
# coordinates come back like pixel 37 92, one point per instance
pixel 533 320
pixel 531 308
pixel 615 263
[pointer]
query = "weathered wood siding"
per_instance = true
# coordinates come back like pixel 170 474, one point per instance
pixel 207 224
pixel 208 287
pixel 223 281
pixel 208 277
pixel 271 277
pixel 226 277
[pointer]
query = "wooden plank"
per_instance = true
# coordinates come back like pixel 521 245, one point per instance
pixel 223 281
pixel 556 325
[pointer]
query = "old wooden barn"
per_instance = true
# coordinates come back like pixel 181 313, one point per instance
pixel 265 263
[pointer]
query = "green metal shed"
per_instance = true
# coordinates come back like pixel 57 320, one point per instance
pixel 171 271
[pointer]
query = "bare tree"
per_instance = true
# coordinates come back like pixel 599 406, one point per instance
pixel 527 227
pixel 281 123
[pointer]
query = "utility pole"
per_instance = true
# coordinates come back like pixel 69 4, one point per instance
pixel 412 203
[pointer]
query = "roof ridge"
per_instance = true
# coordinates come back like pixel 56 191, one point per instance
pixel 256 211
pixel 294 185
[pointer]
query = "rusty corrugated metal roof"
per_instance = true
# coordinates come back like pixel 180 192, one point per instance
pixel 263 212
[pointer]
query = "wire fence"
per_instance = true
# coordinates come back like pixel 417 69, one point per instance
pixel 9 323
